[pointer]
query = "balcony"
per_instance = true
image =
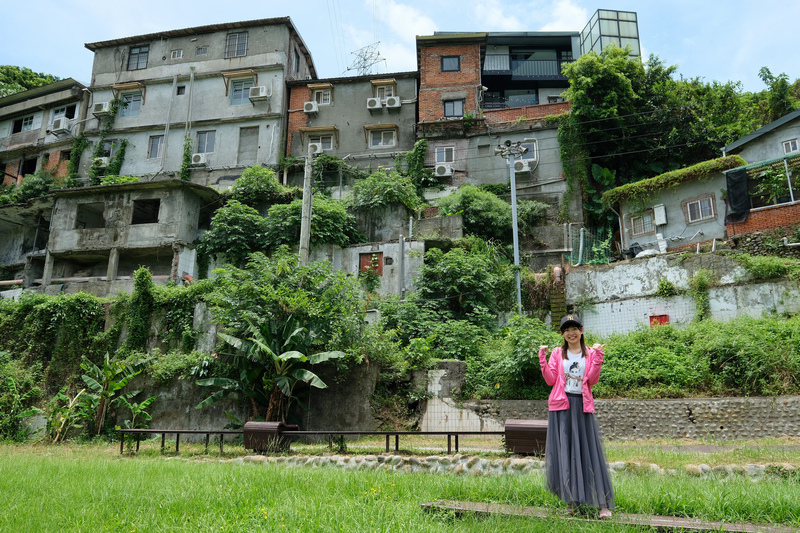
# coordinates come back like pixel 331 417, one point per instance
pixel 524 69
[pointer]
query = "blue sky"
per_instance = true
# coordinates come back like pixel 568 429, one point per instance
pixel 713 40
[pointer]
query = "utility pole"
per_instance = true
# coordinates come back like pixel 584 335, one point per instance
pixel 305 217
pixel 509 151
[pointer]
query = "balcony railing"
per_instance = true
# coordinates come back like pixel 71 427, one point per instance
pixel 524 68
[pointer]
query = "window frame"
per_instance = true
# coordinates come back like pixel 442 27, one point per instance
pixel 533 151
pixel 237 48
pixel 202 146
pixel 448 59
pixel 444 151
pixel 64 111
pixel 381 132
pixel 385 91
pixel 126 110
pixel 788 144
pixel 138 52
pixel 319 140
pixel 319 96
pixel 240 91
pixel 159 149
pixel 25 124
pixel 644 230
pixel 452 103
pixel 687 210
pixel 201 50
pixel 109 148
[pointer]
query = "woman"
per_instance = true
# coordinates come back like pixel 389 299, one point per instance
pixel 574 458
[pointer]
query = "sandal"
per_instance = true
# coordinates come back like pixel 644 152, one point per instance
pixel 605 513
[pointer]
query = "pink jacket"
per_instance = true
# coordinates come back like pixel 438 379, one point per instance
pixel 553 372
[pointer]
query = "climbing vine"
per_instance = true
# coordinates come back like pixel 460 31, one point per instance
pixel 186 162
pixel 97 153
pixel 574 160
pixel 115 164
pixel 699 286
pixel 79 144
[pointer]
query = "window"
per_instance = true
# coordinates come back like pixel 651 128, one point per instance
pixel 323 141
pixel 296 62
pixel 322 96
pixel 65 155
pixel 145 211
pixel 109 148
pixel 65 112
pixel 241 92
pixel 176 54
pixel 384 91
pixel 205 141
pixel 454 108
pixel 23 124
pixel 381 138
pixel 90 215
pixel 137 57
pixel 236 45
pixel 554 99
pixel 131 104
pixel 532 153
pixel 201 50
pixel 155 147
pixel 181 89
pixel 642 224
pixel 444 154
pixel 790 147
pixel 699 209
pixel 451 63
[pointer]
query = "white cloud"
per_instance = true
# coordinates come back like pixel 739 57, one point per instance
pixel 564 15
pixel 404 21
pixel 494 15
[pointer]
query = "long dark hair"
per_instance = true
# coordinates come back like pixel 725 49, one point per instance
pixel 565 347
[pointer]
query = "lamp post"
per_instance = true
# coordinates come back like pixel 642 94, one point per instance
pixel 509 151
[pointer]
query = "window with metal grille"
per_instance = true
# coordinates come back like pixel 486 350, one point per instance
pixel 700 209
pixel 236 44
pixel 642 224
pixel 322 96
pixel 137 57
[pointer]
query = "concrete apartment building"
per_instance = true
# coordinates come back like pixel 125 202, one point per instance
pixel 222 86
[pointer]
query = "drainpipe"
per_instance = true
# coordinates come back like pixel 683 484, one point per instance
pixel 402 282
pixel 166 126
pixel 789 179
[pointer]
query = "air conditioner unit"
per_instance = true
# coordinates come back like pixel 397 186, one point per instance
pixel 393 101
pixel 101 109
pixel 522 165
pixel 374 103
pixel 60 125
pixel 444 170
pixel 198 159
pixel 315 148
pixel 259 93
pixel 311 107
pixel 100 162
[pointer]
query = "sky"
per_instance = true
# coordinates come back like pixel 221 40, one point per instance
pixel 711 40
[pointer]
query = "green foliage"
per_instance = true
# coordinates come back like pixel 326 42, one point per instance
pixel 381 190
pixel 163 368
pixel 64 413
pixel 330 224
pixel 19 392
pixel 17 79
pixel 79 145
pixel 484 214
pixel 237 230
pixel 666 289
pixel 415 167
pixel 185 171
pixel 258 185
pixel 105 383
pixel 699 285
pixel 369 277
pixel 115 163
pixel 34 185
pixel 112 179
pixel 770 267
pixel 137 410
pixel 329 169
pixel 780 101
pixel 96 170
pixel 140 309
pixel 773 185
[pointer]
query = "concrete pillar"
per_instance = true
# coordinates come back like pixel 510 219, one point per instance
pixel 113 264
pixel 47 275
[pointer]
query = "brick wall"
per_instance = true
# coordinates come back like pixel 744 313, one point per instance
pixel 297 117
pixel 434 83
pixel 12 169
pixel 495 116
pixel 767 218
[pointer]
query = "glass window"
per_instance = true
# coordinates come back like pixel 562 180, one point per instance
pixel 322 96
pixel 131 104
pixel 23 124
pixel 381 138
pixel 205 141
pixel 155 147
pixel 790 146
pixel 531 153
pixel 137 57
pixel 181 89
pixel 444 154
pixel 66 112
pixel 454 108
pixel 236 44
pixel 201 50
pixel 642 224
pixel 384 91
pixel 323 141
pixel 109 148
pixel 240 93
pixel 701 209
pixel 176 54
pixel 451 63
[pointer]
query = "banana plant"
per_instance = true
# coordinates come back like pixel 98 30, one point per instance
pixel 106 382
pixel 270 363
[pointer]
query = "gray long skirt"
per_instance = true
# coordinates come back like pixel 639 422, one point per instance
pixel 574 458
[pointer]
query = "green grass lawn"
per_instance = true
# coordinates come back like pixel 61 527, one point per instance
pixel 92 488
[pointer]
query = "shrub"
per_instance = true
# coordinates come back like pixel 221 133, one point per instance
pixel 381 190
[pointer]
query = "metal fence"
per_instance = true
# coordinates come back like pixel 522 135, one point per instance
pixel 589 247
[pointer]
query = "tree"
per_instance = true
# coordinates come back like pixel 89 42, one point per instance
pixel 330 224
pixel 258 185
pixel 780 101
pixel 381 189
pixel 269 366
pixel 237 230
pixel 106 382
pixel 17 79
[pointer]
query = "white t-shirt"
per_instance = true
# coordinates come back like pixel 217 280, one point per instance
pixel 574 368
